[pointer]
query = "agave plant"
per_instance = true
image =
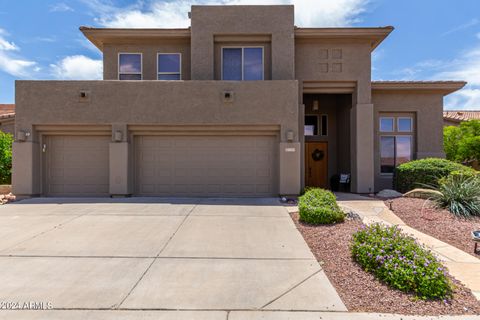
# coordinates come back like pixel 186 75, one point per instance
pixel 458 193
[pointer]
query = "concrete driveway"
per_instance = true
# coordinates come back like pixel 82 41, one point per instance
pixel 196 255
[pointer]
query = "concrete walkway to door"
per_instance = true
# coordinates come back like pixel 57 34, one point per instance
pixel 209 255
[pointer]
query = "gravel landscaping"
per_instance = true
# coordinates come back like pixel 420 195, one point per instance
pixel 421 214
pixel 359 290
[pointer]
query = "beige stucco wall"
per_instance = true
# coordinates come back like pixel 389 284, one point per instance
pixel 335 60
pixel 331 61
pixel 209 21
pixel 149 56
pixel 123 104
pixel 428 110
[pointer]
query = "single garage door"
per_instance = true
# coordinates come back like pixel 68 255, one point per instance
pixel 206 165
pixel 76 165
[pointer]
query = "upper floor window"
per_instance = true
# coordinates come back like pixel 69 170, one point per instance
pixel 169 66
pixel 130 66
pixel 242 63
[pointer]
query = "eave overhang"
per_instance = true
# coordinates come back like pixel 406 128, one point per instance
pixel 374 35
pixel 100 36
pixel 443 87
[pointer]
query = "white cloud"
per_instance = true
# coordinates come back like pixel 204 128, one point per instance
pixel 10 62
pixel 173 14
pixel 60 7
pixel 466 25
pixel 15 67
pixel 4 44
pixel 466 68
pixel 77 67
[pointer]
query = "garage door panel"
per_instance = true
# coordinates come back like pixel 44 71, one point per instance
pixel 77 166
pixel 206 165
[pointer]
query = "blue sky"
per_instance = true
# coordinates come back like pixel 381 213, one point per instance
pixel 433 39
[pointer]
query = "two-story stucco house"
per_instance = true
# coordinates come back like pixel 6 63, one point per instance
pixel 242 103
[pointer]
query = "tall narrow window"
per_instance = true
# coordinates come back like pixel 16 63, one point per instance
pixel 169 66
pixel 130 66
pixel 245 63
pixel 324 125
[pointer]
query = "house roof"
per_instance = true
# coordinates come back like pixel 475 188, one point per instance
pixel 461 115
pixel 7 111
pixel 444 87
pixel 100 36
pixel 375 34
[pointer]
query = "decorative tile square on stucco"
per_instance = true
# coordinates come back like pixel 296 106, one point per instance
pixel 323 53
pixel 323 67
pixel 336 67
pixel 336 53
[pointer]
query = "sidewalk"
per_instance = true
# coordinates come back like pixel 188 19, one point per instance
pixel 461 265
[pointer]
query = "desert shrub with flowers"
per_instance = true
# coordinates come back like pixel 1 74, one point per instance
pixel 399 261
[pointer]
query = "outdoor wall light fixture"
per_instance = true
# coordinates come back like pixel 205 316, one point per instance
pixel 315 105
pixel 290 136
pixel 118 136
pixel 22 135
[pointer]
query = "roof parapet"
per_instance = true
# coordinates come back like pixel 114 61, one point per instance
pixel 100 36
pixel 375 34
pixel 445 87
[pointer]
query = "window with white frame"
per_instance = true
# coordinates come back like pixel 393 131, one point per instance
pixel 130 66
pixel 396 142
pixel 242 63
pixel 169 66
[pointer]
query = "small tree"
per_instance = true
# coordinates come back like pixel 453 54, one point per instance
pixel 462 143
pixel 5 157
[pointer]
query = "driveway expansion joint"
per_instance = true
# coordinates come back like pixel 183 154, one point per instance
pixel 158 254
pixel 290 289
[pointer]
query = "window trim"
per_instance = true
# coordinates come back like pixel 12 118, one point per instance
pixel 380 124
pixel 411 125
pixel 141 65
pixel 395 136
pixel 180 66
pixel 243 60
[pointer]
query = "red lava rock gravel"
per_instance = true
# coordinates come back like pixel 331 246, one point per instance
pixel 359 290
pixel 422 215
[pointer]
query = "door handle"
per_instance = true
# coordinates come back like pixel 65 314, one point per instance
pixel 309 172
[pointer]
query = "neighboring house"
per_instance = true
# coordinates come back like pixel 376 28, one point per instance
pixel 455 117
pixel 242 103
pixel 7 118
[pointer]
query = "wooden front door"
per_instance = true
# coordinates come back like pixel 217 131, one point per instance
pixel 316 164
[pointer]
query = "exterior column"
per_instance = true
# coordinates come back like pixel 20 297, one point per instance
pixel 363 173
pixel 120 181
pixel 25 168
pixel 289 156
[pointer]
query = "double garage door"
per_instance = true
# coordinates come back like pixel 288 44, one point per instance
pixel 201 165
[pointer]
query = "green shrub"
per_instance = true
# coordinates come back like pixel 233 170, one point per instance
pixel 462 143
pixel 319 206
pixel 5 157
pixel 459 193
pixel 399 261
pixel 419 173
